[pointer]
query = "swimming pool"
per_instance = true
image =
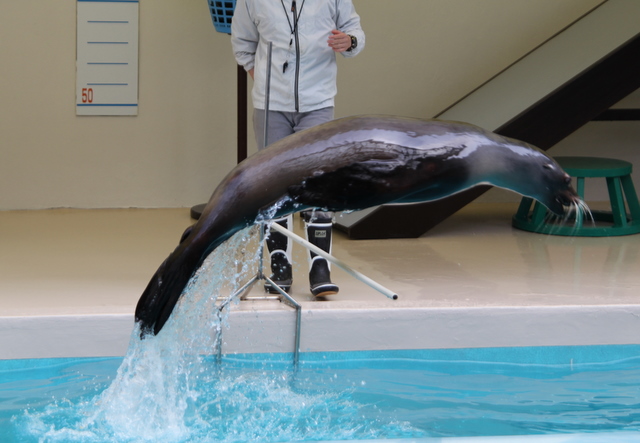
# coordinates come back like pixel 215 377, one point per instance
pixel 549 392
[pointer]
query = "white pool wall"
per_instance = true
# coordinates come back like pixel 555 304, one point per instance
pixel 324 330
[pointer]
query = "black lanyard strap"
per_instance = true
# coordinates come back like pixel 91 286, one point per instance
pixel 293 27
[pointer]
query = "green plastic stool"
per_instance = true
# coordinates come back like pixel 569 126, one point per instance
pixel 605 223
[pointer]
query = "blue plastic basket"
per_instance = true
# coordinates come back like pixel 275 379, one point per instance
pixel 221 14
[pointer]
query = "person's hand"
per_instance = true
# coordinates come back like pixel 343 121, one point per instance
pixel 250 71
pixel 339 41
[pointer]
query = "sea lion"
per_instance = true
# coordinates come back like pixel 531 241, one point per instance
pixel 350 164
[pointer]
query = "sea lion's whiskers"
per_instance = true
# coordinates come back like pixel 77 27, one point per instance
pixel 577 211
pixel 584 209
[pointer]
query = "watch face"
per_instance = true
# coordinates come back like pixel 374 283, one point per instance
pixel 354 42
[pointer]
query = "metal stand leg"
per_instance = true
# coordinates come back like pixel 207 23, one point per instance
pixel 283 296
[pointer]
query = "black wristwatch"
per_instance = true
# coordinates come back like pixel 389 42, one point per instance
pixel 354 43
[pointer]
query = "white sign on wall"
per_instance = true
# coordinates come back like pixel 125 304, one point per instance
pixel 107 57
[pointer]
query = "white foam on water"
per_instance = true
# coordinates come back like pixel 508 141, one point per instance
pixel 161 376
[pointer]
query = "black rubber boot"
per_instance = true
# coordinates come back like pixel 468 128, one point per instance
pixel 319 234
pixel 282 272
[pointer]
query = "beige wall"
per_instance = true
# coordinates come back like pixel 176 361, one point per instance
pixel 421 56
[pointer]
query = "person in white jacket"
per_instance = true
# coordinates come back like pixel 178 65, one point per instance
pixel 306 35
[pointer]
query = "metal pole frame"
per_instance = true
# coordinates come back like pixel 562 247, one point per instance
pixel 283 296
pixel 348 269
pixel 267 96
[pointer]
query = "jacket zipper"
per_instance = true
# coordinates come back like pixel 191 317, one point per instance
pixel 295 36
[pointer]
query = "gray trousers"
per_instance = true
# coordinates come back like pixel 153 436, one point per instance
pixel 282 124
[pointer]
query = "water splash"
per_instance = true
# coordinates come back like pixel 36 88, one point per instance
pixel 161 379
pixel 169 388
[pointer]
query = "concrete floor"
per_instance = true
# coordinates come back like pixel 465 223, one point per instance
pixel 472 281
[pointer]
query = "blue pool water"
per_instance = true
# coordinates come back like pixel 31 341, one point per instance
pixel 412 394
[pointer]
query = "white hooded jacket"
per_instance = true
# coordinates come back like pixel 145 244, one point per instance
pixel 303 72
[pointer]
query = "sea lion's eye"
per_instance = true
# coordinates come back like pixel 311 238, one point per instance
pixel 548 166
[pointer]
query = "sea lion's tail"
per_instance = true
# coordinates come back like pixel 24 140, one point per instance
pixel 165 288
pixel 151 303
